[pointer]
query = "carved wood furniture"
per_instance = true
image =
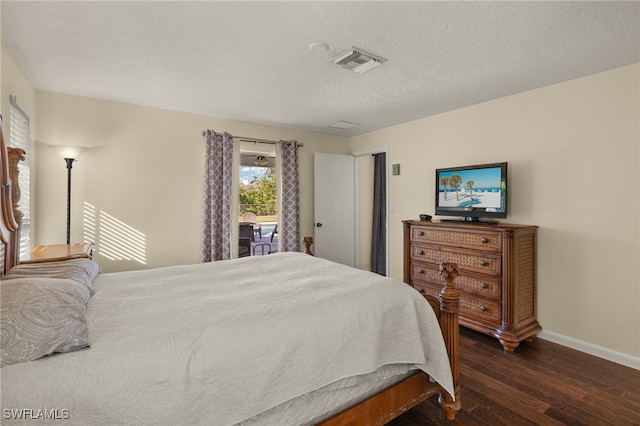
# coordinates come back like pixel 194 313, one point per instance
pixel 497 264
pixel 375 410
pixel 9 198
pixel 308 241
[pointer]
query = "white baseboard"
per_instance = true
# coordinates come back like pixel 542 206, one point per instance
pixel 591 349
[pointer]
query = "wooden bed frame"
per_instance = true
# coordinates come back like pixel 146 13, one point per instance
pixel 9 196
pixel 375 410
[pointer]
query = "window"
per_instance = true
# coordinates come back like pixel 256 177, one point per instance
pixel 19 138
pixel 258 232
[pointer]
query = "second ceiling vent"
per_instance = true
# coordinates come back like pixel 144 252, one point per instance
pixel 358 60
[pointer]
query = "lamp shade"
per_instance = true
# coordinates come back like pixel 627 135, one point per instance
pixel 69 151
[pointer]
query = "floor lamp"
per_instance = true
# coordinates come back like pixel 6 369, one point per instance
pixel 70 154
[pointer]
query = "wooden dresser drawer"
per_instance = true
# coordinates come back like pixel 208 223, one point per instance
pixel 427 289
pixel 485 286
pixel 486 310
pixel 487 241
pixel 483 263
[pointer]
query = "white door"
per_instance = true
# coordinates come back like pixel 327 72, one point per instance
pixel 334 207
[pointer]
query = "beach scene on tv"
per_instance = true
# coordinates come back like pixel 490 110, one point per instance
pixel 477 188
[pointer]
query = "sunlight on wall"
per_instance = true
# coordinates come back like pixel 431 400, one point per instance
pixel 113 238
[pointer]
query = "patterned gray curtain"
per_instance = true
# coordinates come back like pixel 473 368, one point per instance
pixel 217 202
pixel 379 231
pixel 289 229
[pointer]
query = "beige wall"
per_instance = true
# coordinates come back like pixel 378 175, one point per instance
pixel 573 160
pixel 143 176
pixel 14 82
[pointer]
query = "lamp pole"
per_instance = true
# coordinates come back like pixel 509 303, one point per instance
pixel 69 165
pixel 69 153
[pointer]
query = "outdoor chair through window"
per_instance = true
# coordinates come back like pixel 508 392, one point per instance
pixel 250 217
pixel 244 247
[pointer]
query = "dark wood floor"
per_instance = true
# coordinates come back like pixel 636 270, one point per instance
pixel 542 383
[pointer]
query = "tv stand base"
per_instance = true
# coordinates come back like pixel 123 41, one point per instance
pixel 470 220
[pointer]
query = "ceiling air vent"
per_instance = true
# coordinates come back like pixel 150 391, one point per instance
pixel 344 125
pixel 358 60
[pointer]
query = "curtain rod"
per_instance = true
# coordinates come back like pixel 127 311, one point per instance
pixel 255 140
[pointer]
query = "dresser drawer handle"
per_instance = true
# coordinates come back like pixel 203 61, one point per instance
pixel 484 240
pixel 483 308
pixel 421 290
pixel 420 252
pixel 420 233
pixel 420 271
pixel 484 285
pixel 483 263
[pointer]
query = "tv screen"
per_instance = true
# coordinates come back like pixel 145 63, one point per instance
pixel 472 192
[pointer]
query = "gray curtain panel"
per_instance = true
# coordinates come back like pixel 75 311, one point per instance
pixel 217 202
pixel 379 232
pixel 289 229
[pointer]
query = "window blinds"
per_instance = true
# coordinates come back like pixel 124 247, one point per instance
pixel 19 138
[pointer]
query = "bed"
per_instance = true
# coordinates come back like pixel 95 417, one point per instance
pixel 306 341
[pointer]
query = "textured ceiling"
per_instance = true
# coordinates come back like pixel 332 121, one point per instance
pixel 251 60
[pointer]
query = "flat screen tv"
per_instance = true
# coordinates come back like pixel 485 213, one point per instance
pixel 472 192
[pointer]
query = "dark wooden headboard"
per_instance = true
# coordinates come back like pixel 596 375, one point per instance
pixel 9 197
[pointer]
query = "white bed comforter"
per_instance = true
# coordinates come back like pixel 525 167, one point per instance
pixel 219 343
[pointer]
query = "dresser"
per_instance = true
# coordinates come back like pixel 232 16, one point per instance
pixel 497 266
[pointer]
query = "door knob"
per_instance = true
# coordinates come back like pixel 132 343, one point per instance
pixel 319 225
